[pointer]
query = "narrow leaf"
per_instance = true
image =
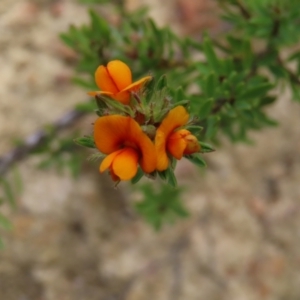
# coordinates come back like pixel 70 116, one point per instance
pixel 162 82
pixel 256 91
pixel 196 159
pixel 205 109
pixel 87 107
pixel 211 84
pixel 86 141
pixel 205 148
pixel 5 223
pixel 210 54
pixel 138 176
pixel 171 178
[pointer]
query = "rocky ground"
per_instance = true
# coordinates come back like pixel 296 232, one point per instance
pixel 79 239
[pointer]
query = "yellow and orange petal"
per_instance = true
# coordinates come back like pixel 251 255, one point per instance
pixel 124 95
pixel 120 74
pixel 176 144
pixel 192 145
pixel 111 133
pixel 160 148
pixel 176 117
pixel 135 86
pixel 182 142
pixel 123 163
pixel 95 93
pixel 115 80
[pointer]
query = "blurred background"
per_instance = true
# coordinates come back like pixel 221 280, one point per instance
pixel 80 238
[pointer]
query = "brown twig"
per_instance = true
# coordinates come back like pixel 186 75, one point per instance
pixel 243 10
pixel 293 77
pixel 35 140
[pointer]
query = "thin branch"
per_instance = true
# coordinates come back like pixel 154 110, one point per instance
pixel 293 77
pixel 220 103
pixel 37 139
pixel 243 10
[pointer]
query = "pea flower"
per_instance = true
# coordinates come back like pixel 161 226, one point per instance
pixel 126 145
pixel 115 80
pixel 169 139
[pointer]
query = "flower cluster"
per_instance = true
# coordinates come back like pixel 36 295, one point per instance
pixel 139 130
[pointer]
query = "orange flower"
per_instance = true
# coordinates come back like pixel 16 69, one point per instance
pixel 175 142
pixel 115 81
pixel 126 145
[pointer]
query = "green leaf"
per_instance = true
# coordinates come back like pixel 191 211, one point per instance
pixel 234 77
pixel 171 178
pixel 256 91
pixel 194 44
pixel 235 43
pixel 194 129
pixel 173 163
pixel 86 141
pixel 212 127
pixel 211 84
pixel 196 159
pixel 179 209
pixel 162 82
pixel 162 175
pixel 267 100
pixel 205 148
pixel 179 95
pixel 205 108
pixel 296 92
pixel 184 103
pixel 160 204
pixel 294 56
pixel 227 66
pixel 99 25
pixel 278 71
pixel 242 105
pixel 210 54
pixel 117 105
pixel 96 156
pixel 75 165
pixel 138 176
pixel 149 89
pixel 67 39
pixel 229 111
pixel 158 38
pixel 86 107
pixel 5 223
